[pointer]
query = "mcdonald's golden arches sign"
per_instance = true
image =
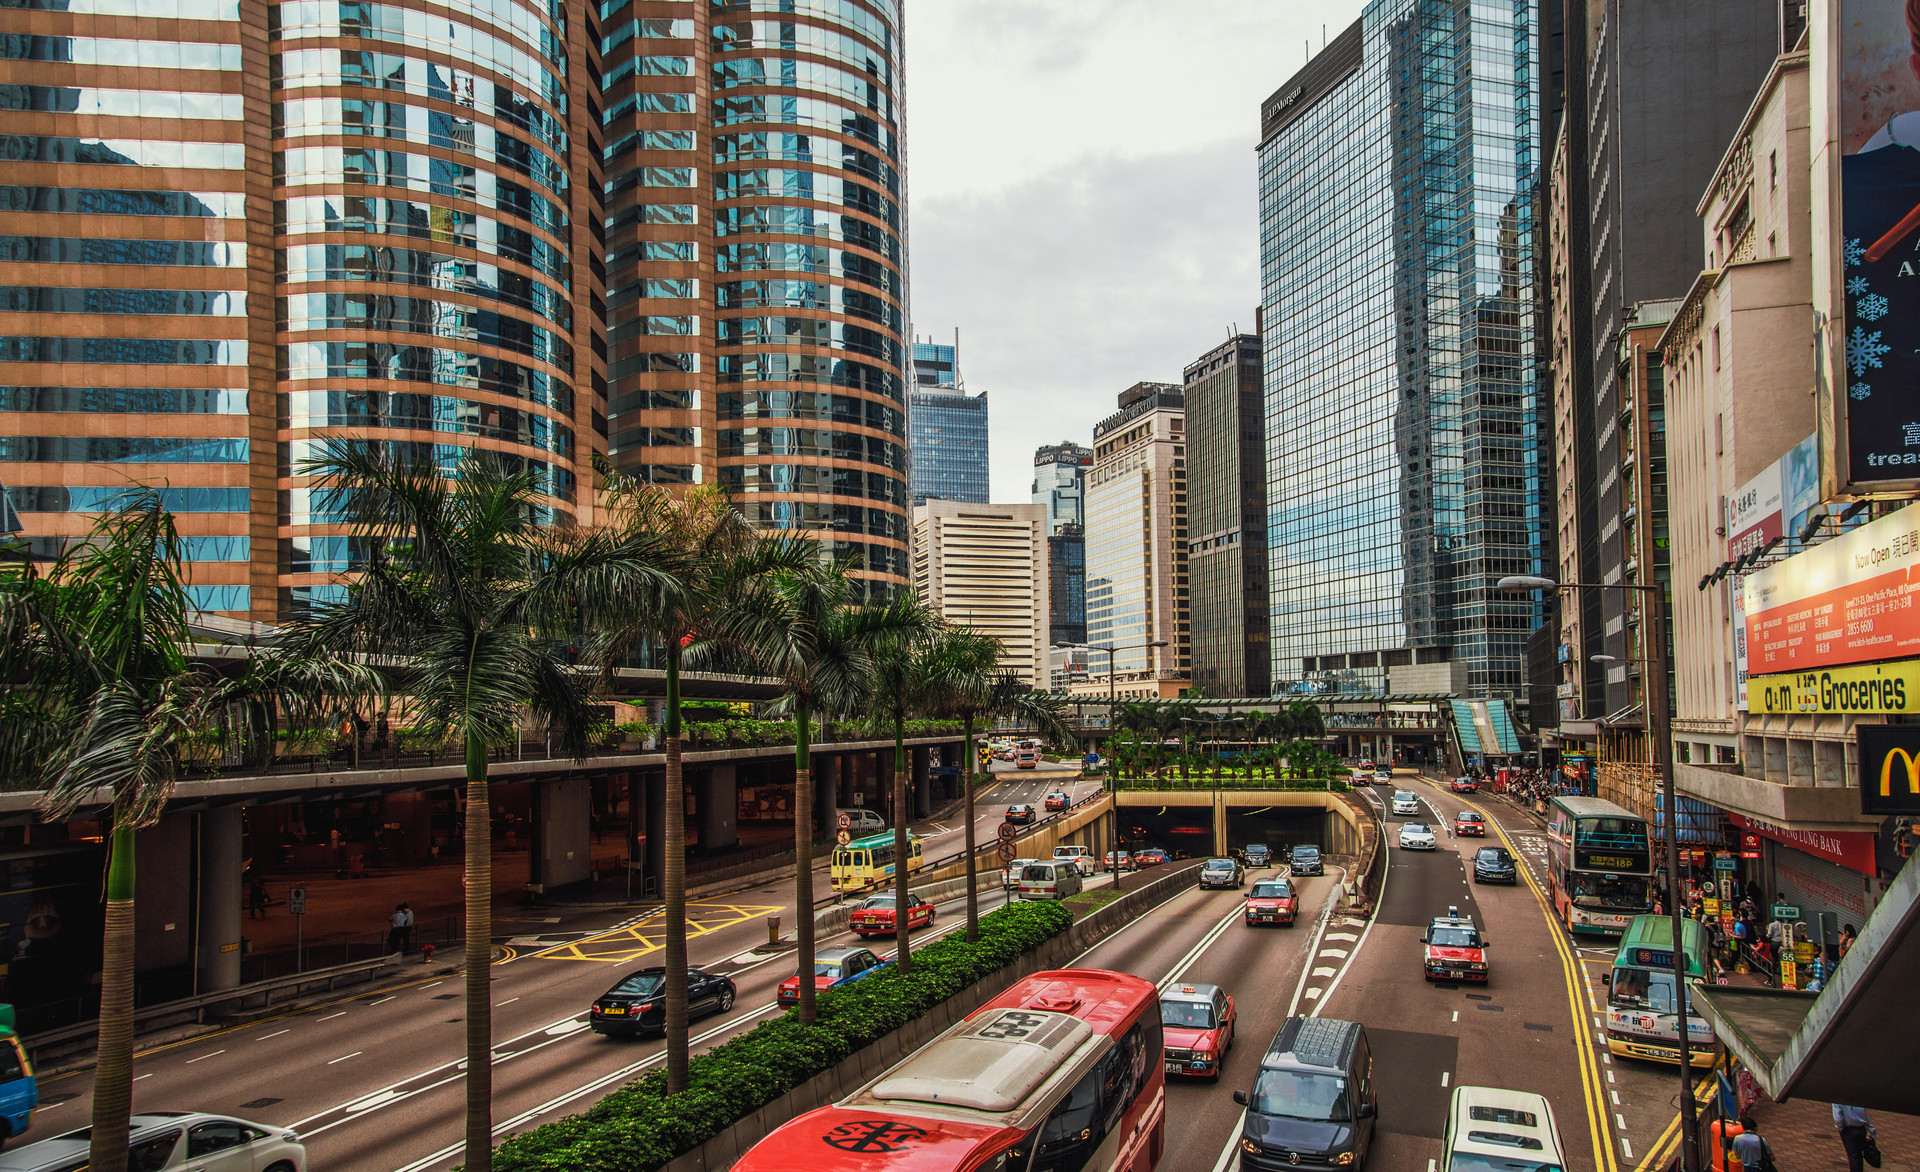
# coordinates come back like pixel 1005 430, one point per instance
pixel 1889 768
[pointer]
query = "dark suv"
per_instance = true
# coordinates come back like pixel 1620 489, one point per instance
pixel 1257 855
pixel 1313 1104
pixel 1306 861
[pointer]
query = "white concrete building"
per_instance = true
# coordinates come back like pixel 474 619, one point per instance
pixel 985 566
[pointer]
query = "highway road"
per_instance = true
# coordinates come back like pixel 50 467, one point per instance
pixel 373 1082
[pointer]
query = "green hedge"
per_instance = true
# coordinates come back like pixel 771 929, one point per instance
pixel 640 1127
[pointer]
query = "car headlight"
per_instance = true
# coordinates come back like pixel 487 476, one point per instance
pixel 1249 1147
pixel 1478 966
pixel 1343 1158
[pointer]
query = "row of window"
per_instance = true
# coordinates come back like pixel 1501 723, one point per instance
pixel 809 258
pixel 397 362
pixel 141 54
pixel 368 409
pixel 424 127
pixel 650 251
pixel 821 405
pixel 154 9
pixel 681 287
pixel 791 73
pixel 321 506
pixel 190 549
pixel 421 315
pixel 644 102
pixel 792 146
pixel 331 166
pixel 841 12
pixel 335 19
pixel 809 368
pixel 649 140
pixel 814 478
pixel 783 220
pixel 433 270
pixel 653 363
pixel 769 182
pixel 125 400
pixel 103 498
pixel 651 27
pixel 553 480
pixel 655 325
pixel 98 201
pixel 479 94
pixel 118 351
pixel 820 515
pixel 74 449
pixel 663 214
pixel 787 109
pixel 310 214
pixel 807 331
pixel 819 442
pixel 68 99
pixel 780 294
pixel 737 36
pixel 122 152
pixel 63 299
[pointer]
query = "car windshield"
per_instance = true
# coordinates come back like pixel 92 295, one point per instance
pixel 1475 1162
pixel 827 968
pixel 1219 864
pixel 1496 856
pixel 1038 873
pixel 879 901
pixel 1256 848
pixel 1469 817
pixel 1306 852
pixel 1416 828
pixel 1299 1094
pixel 1624 892
pixel 1191 1015
pixel 638 985
pixel 1271 891
pixel 1645 989
pixel 1453 938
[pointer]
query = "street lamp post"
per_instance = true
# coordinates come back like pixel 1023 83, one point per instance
pixel 1113 810
pixel 1658 724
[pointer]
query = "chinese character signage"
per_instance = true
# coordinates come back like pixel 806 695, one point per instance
pixel 1850 600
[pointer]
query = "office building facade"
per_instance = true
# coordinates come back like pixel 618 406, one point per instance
pixel 946 429
pixel 1136 539
pixel 985 567
pixel 1401 373
pixel 1227 519
pixel 1059 473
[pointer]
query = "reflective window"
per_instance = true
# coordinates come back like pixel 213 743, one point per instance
pixel 368 409
pixel 780 108
pixel 398 73
pixel 654 213
pixel 417 124
pixel 216 549
pixel 103 498
pixel 122 103
pixel 810 258
pixel 784 220
pixel 424 364
pixel 309 214
pixel 402 266
pixel 217 598
pixel 654 324
pixel 806 148
pixel 550 479
pixel 70 449
pixel 117 51
pixel 819 515
pixel 328 555
pixel 212 303
pixel 762 182
pixel 407 26
pixel 653 250
pixel 805 368
pixel 651 140
pixel 807 295
pixel 150 351
pixel 789 73
pixel 734 36
pixel 643 103
pixel 124 152
pixel 417 315
pixel 71 250
pixel 823 442
pixel 653 363
pixel 229 205
pixel 653 27
pixel 841 12
pixel 655 287
pixel 159 9
pixel 649 437
pixel 807 331
pixel 124 400
pixel 332 166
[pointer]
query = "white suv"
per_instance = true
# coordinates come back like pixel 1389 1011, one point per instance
pixel 1405 802
pixel 161 1141
pixel 1081 857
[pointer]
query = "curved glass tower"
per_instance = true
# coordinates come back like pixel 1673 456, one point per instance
pixel 756 296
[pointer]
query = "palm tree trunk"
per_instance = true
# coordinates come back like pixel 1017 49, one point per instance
pixel 113 1070
pixel 973 864
pixel 479 875
pixel 675 833
pixel 902 862
pixel 803 859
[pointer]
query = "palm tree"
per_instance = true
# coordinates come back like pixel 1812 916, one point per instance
pixel 964 667
pixel 101 695
pixel 902 686
pixel 471 601
pixel 722 565
pixel 811 638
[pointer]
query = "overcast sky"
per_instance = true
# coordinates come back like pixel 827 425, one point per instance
pixel 1083 203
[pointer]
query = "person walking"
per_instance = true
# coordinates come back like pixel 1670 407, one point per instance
pixel 1751 1149
pixel 1779 939
pixel 1856 1133
pixel 397 929
pixel 257 900
pixel 406 941
pixel 1846 938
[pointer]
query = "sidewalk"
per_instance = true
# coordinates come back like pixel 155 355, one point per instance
pixel 1803 1139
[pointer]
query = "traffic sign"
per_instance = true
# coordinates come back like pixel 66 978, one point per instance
pixel 1007 851
pixel 1008 832
pixel 843 838
pixel 297 900
pixel 846 820
pixel 1786 911
pixel 859 798
pixel 1725 863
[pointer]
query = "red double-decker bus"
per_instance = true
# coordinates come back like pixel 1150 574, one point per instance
pixel 1061 1073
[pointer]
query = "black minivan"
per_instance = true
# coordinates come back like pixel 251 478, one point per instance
pixel 1313 1104
pixel 1306 861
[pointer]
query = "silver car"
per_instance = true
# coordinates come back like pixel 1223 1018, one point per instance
pixel 1405 802
pixel 160 1141
pixel 1221 873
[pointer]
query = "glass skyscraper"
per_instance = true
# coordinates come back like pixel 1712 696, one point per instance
pixel 1059 484
pixel 1404 420
pixel 946 429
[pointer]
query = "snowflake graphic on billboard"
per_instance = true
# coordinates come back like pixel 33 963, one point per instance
pixel 1865 350
pixel 1856 285
pixel 1860 391
pixel 1856 251
pixel 1872 307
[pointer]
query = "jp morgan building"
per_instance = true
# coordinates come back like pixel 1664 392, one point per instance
pixel 1403 445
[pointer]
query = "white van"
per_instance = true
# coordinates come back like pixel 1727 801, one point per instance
pixel 861 823
pixel 1080 856
pixel 1490 1129
pixel 1049 879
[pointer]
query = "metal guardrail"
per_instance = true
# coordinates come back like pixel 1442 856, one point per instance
pixel 261 989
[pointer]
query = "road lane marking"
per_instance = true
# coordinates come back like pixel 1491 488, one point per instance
pixel 1622 1119
pixel 138 1077
pixel 1193 954
pixel 1456 1015
pixel 431 984
pixel 1444 1076
pixel 202 1057
pixel 331 1016
pixel 344 1057
pixel 1325 972
pixel 382 1001
pixel 1313 994
pixel 1626 1149
pixel 274 1034
pixel 1616 1094
pixel 1340 952
pixel 508 1001
pixel 1347 936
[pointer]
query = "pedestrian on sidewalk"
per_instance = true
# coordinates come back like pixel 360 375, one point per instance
pixel 1856 1132
pixel 1846 938
pixel 397 929
pixel 1751 1149
pixel 257 900
pixel 1779 939
pixel 406 943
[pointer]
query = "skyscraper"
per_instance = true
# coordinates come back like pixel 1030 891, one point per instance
pixel 985 566
pixel 1227 519
pixel 1059 471
pixel 755 301
pixel 1137 540
pixel 234 242
pixel 1397 176
pixel 947 429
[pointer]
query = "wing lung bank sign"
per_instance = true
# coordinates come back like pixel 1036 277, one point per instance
pixel 1852 600
pixel 1877 687
pixel 1889 768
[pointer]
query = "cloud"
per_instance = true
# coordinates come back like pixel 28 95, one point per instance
pixel 1076 283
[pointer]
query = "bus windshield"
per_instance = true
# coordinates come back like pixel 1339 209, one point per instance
pixel 1475 1162
pixel 1298 1094
pixel 1613 833
pixel 1647 989
pixel 1592 890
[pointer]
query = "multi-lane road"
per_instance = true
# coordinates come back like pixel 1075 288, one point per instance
pixel 374 1082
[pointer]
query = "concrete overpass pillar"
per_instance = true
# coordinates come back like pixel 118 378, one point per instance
pixel 1220 829
pixel 220 898
pixel 827 796
pixel 719 809
pixel 922 782
pixel 563 831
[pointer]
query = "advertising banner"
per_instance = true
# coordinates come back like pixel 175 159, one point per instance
pixel 1879 687
pixel 1775 503
pixel 1848 601
pixel 1868 298
pixel 1889 768
pixel 1737 607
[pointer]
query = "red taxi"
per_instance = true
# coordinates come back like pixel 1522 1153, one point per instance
pixel 1197 1023
pixel 1056 801
pixel 1153 856
pixel 875 915
pixel 1463 785
pixel 833 966
pixel 1470 823
pixel 1272 901
pixel 1455 950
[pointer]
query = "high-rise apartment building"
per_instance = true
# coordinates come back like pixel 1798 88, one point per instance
pixel 985 567
pixel 756 302
pixel 239 232
pixel 1226 519
pixel 1136 501
pixel 946 428
pixel 1059 472
pixel 1398 171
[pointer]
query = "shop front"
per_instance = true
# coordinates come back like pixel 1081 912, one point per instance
pixel 1816 872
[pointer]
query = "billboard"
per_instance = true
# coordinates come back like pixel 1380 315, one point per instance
pixel 1886 688
pixel 1776 502
pixel 1851 600
pixel 1889 768
pixel 1867 184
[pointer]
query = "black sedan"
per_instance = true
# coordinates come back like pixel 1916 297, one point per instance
pixel 1305 860
pixel 1020 815
pixel 638 1004
pixel 1494 864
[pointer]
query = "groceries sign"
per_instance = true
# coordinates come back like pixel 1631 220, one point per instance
pixel 1851 600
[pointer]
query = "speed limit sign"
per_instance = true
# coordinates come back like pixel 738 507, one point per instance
pixel 843 838
pixel 1007 851
pixel 1008 832
pixel 846 820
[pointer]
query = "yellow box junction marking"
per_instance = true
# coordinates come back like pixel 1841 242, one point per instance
pixel 624 945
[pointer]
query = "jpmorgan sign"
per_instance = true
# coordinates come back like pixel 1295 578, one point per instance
pixel 1889 768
